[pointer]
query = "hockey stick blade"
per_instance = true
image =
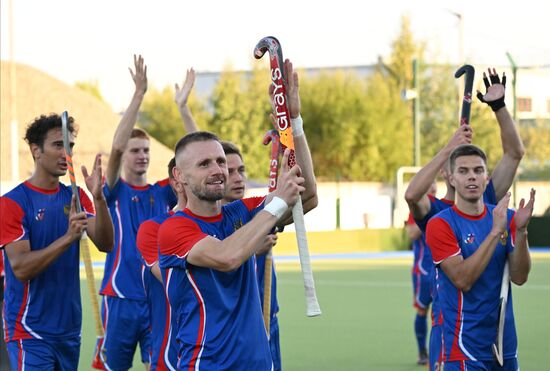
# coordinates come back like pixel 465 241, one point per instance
pixel 469 71
pixel 498 350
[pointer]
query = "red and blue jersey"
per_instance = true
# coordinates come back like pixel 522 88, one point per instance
pixel 219 315
pixel 470 319
pixel 423 262
pixel 47 306
pixel 129 207
pixel 437 205
pixel 165 349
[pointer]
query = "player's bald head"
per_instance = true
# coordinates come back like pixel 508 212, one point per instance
pixel 184 142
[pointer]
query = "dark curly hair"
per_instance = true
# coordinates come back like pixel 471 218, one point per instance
pixel 38 129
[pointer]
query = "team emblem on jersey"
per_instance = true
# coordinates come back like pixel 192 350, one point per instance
pixel 40 214
pixel 151 200
pixel 237 224
pixel 470 238
pixel 135 199
pixel 66 209
pixel 504 237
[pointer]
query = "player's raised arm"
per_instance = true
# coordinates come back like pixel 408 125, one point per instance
pixel 512 146
pixel 129 118
pixel 100 228
pixel 416 194
pixel 301 148
pixel 181 98
pixel 520 259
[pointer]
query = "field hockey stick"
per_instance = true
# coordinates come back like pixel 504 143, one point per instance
pixel 282 116
pixel 468 86
pixel 272 136
pixel 84 249
pixel 498 350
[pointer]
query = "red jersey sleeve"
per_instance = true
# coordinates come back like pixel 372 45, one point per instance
pixel 178 235
pixel 86 203
pixel 147 241
pixel 12 227
pixel 253 202
pixel 411 219
pixel 441 240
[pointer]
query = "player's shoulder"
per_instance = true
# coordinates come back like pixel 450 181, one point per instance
pixel 13 202
pixel 162 183
pixel 253 202
pixel 443 213
pixel 15 193
pixel 173 221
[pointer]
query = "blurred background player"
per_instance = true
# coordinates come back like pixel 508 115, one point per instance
pixel 40 232
pixel 163 329
pixel 422 279
pixel 131 200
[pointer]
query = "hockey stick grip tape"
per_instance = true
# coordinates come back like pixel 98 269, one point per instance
pixel 312 305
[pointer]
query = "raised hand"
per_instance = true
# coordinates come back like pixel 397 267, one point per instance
pixel 140 74
pixel 182 94
pixel 500 215
pixel 290 183
pixel 524 212
pixel 462 135
pixel 77 222
pixel 292 90
pixel 494 96
pixel 94 181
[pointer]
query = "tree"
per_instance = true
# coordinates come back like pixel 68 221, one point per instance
pixel 160 117
pixel 241 115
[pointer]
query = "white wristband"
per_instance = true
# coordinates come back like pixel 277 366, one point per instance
pixel 276 207
pixel 297 126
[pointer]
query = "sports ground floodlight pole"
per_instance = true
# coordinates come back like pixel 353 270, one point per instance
pixel 271 44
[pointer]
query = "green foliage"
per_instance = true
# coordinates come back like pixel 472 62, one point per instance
pixel 332 108
pixel 160 116
pixel 241 115
pixel 91 87
pixel 358 129
pixel 536 137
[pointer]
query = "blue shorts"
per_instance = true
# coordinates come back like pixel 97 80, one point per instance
pixel 37 354
pixel 435 347
pixel 274 343
pixel 422 290
pixel 126 323
pixel 509 365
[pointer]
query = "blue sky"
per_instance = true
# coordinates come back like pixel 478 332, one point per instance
pixel 76 40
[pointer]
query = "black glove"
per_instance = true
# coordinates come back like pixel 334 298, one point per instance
pixel 494 104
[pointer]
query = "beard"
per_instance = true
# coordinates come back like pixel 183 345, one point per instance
pixel 204 194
